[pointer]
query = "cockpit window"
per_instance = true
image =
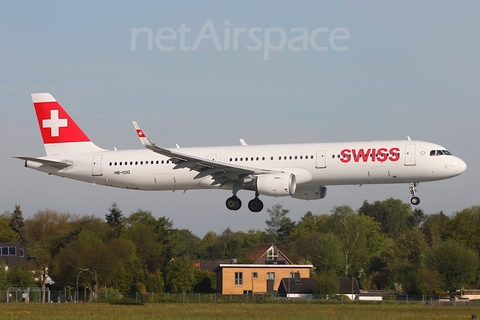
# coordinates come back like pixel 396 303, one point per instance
pixel 440 153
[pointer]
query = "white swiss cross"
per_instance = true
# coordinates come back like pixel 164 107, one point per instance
pixel 54 123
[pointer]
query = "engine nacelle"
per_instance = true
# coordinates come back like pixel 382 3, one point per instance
pixel 310 192
pixel 276 185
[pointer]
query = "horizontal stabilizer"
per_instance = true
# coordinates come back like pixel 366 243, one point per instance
pixel 53 163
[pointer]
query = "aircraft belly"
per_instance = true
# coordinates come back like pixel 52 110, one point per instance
pixel 171 180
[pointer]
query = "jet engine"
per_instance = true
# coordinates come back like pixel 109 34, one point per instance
pixel 310 192
pixel 276 185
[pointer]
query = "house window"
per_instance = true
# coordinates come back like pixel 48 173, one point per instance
pixel 239 278
pixel 21 252
pixel 255 275
pixel 272 253
pixel 270 275
pixel 295 275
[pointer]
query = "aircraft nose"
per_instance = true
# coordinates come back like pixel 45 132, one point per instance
pixel 460 166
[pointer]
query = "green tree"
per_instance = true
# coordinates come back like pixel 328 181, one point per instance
pixel 143 231
pixel 393 215
pixel 435 228
pixel 115 220
pixel 325 285
pixel 109 261
pixel 205 281
pixel 463 227
pixel 209 247
pixel 17 223
pixel 361 238
pixel 123 280
pixel 428 281
pixel 179 275
pixel 279 226
pixel 42 232
pixel 405 257
pixel 304 236
pixel 456 265
pixel 155 283
pixel 329 259
pixel 20 276
pixel 3 276
pixel 6 232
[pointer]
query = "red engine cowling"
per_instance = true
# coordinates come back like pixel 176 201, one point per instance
pixel 276 185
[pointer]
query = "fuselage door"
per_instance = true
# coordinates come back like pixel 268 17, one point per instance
pixel 97 165
pixel 320 164
pixel 410 155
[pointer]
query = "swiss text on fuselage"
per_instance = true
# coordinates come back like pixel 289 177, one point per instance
pixel 365 155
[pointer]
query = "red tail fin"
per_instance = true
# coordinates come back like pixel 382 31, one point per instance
pixel 59 132
pixel 55 124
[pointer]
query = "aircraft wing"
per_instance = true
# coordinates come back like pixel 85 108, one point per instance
pixel 53 163
pixel 220 171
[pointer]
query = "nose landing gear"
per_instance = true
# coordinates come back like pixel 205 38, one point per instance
pixel 415 200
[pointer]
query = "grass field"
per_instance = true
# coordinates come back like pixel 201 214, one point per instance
pixel 233 311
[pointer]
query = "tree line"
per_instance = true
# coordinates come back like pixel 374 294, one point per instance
pixel 386 245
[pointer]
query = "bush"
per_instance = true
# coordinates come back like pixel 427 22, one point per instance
pixel 325 285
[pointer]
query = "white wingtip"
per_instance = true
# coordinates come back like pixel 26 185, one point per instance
pixel 243 143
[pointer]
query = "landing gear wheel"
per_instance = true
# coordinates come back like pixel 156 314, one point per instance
pixel 255 205
pixel 415 200
pixel 233 203
pixel 413 188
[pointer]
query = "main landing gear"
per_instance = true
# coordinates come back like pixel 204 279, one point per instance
pixel 254 205
pixel 413 188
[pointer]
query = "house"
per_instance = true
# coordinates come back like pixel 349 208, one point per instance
pixel 211 266
pixel 256 278
pixel 268 266
pixel 303 288
pixel 297 288
pixel 12 253
pixel 268 254
pixel 350 287
pixel 470 294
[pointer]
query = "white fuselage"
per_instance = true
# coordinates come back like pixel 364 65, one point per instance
pixel 314 164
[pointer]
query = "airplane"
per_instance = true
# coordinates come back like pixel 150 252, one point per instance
pixel 302 171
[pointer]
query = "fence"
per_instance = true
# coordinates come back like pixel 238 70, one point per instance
pixel 33 295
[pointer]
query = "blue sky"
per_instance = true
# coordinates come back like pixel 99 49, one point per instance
pixel 409 68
